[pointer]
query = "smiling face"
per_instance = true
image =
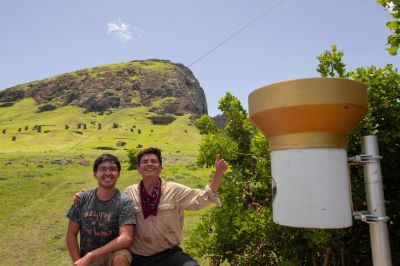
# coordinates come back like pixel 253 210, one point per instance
pixel 149 166
pixel 107 174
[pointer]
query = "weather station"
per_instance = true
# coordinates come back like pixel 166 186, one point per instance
pixel 307 122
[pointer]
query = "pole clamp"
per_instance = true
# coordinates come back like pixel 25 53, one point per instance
pixel 367 217
pixel 363 158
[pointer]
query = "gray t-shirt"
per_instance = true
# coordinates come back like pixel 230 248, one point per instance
pixel 99 221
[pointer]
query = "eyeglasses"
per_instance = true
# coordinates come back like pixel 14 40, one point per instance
pixel 105 168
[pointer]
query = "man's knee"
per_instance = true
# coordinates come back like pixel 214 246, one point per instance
pixel 122 258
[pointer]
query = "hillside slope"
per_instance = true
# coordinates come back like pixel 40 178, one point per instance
pixel 47 156
pixel 118 85
pixel 69 130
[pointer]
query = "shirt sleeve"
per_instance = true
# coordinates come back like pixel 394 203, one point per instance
pixel 194 199
pixel 75 210
pixel 127 215
pixel 73 213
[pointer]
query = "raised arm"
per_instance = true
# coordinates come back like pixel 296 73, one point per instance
pixel 220 168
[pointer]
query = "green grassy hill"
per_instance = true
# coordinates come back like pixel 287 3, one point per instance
pixel 42 170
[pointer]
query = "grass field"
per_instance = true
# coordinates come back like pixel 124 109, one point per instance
pixel 42 170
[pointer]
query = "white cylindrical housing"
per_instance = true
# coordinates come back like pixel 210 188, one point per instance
pixel 312 188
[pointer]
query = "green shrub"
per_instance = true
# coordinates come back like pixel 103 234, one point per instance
pixel 132 154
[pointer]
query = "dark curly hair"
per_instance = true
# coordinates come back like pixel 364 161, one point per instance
pixel 150 150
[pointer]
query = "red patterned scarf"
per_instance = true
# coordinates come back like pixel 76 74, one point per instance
pixel 150 202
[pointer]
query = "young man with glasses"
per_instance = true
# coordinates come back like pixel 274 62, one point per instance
pixel 105 219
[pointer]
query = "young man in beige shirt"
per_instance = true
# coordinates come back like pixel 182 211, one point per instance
pixel 159 209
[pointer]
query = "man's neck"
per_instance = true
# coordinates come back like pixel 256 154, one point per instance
pixel 150 184
pixel 105 193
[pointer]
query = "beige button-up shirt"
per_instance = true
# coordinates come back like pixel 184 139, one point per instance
pixel 157 233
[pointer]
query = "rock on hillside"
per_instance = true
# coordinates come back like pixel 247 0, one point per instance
pixel 117 85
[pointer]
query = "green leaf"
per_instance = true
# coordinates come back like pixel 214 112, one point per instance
pixel 392 25
pixel 393 50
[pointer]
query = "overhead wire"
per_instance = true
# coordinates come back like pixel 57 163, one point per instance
pixel 227 39
pixel 242 28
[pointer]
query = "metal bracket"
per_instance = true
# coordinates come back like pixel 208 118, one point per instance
pixel 363 158
pixel 367 217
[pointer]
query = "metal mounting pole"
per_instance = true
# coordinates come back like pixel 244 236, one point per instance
pixel 376 203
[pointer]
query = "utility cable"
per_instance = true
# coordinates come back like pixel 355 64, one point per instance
pixel 237 32
pixel 247 25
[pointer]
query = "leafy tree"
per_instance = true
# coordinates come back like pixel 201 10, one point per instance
pixel 393 6
pixel 132 155
pixel 383 120
pixel 206 125
pixel 231 230
pixel 242 232
pixel 331 64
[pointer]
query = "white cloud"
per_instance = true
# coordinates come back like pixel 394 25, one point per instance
pixel 123 30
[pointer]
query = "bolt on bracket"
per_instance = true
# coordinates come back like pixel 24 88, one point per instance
pixel 363 158
pixel 367 217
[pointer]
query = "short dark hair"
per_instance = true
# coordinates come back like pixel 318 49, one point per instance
pixel 150 150
pixel 106 158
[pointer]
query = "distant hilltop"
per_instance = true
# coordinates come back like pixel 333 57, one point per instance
pixel 121 85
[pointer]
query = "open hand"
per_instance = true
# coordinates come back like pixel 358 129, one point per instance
pixel 77 196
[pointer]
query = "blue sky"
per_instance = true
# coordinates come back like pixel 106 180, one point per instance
pixel 43 38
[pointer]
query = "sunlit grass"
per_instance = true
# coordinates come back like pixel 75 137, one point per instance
pixel 41 171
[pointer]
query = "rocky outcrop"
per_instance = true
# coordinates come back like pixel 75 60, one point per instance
pixel 118 86
pixel 162 119
pixel 46 107
pixel 221 121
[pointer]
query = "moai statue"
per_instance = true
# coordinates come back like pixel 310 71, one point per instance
pixel 66 126
pixel 26 127
pixel 99 126
pixel 115 125
pixel 19 129
pixel 132 129
pixel 139 131
pixel 84 126
pixel 14 138
pixel 79 125
pixel 39 129
pixel 4 131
